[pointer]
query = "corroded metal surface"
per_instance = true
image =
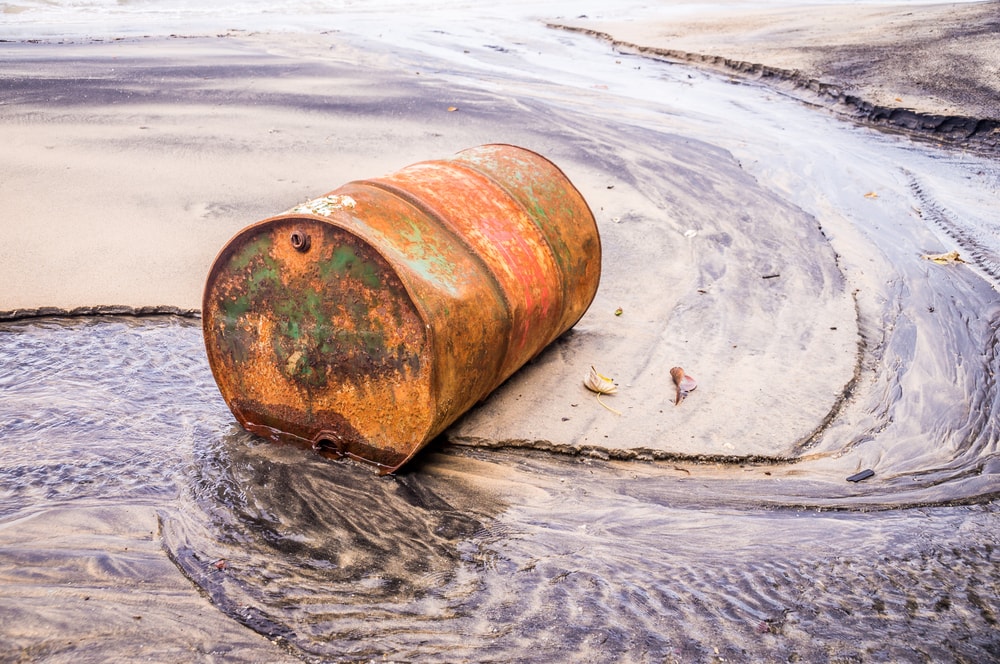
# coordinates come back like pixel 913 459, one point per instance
pixel 366 321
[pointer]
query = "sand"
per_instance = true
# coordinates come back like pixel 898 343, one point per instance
pixel 128 164
pixel 123 186
pixel 115 197
pixel 131 162
pixel 93 583
pixel 162 149
pixel 933 67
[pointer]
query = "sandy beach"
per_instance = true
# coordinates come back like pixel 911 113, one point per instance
pixel 758 227
pixel 938 61
pixel 141 206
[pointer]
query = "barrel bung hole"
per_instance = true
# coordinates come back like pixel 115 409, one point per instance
pixel 299 240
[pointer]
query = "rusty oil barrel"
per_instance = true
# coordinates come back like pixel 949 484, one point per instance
pixel 366 321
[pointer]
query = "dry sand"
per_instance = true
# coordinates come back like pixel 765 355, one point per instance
pixel 119 188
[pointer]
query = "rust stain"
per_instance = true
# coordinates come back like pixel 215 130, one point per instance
pixel 366 321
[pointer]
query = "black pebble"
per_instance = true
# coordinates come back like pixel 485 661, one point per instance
pixel 863 475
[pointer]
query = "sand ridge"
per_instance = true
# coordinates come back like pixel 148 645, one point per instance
pixel 931 70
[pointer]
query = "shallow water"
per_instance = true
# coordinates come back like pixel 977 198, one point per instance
pixel 525 555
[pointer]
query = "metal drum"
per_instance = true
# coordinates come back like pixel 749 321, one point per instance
pixel 366 321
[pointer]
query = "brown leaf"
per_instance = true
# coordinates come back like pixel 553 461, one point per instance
pixel 684 383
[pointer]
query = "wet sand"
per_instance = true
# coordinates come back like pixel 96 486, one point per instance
pixel 925 69
pixel 130 163
pixel 90 583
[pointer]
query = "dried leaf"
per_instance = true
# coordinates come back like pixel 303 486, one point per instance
pixel 944 259
pixel 596 382
pixel 871 194
pixel 452 109
pixel 684 383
